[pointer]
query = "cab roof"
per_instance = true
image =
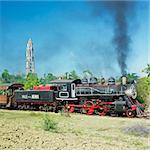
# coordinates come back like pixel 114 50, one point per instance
pixel 77 81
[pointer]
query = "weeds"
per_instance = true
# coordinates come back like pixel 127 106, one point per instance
pixel 49 124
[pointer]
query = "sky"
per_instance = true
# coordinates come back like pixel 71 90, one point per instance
pixel 71 35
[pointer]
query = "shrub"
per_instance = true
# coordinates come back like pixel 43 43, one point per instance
pixel 49 124
pixel 143 89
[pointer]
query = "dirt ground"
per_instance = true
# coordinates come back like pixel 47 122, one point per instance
pixel 23 130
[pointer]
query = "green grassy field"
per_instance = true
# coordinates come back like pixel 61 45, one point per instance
pixel 24 130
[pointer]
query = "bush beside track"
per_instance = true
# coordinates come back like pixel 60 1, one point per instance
pixel 143 89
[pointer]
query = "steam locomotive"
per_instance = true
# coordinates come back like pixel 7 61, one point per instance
pixel 85 96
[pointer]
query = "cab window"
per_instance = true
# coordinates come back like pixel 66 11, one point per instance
pixel 63 87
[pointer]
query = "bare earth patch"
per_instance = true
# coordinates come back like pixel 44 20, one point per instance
pixel 23 130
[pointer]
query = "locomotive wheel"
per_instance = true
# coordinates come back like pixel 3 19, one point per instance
pixel 130 113
pixel 71 110
pixel 102 110
pixel 23 107
pixel 86 108
pixel 46 108
pixel 83 111
pixel 19 107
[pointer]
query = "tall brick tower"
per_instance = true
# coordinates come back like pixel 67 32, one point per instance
pixel 30 67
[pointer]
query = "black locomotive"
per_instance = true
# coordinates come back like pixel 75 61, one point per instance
pixel 84 96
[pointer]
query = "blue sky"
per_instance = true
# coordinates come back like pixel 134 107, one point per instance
pixel 70 35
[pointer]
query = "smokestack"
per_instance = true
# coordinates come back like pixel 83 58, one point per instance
pixel 123 80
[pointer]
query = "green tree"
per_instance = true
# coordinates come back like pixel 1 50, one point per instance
pixel 147 70
pixel 20 78
pixel 132 76
pixel 50 77
pixel 66 76
pixel 6 77
pixel 87 73
pixel 73 75
pixel 143 89
pixel 31 80
pixel 47 78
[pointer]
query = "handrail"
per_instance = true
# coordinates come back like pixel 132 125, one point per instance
pixel 99 92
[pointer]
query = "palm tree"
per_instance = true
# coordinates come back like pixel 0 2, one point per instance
pixel 87 73
pixel 73 75
pixel 132 76
pixel 147 70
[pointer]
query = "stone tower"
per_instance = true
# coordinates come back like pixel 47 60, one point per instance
pixel 30 68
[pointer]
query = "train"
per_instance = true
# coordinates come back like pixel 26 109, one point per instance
pixel 86 96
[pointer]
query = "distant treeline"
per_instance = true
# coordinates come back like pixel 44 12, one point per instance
pixel 6 77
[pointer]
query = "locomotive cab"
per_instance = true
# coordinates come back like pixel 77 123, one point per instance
pixel 66 89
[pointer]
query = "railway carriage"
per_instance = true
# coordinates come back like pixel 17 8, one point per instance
pixel 7 98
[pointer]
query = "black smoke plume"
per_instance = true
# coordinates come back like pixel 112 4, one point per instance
pixel 121 11
pixel 121 35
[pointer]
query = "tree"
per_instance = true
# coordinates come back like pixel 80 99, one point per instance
pixel 47 78
pixel 87 73
pixel 66 76
pixel 73 75
pixel 31 80
pixel 143 90
pixel 147 70
pixel 50 77
pixel 143 87
pixel 6 77
pixel 20 78
pixel 132 76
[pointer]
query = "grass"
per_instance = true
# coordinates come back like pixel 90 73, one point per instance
pixel 49 124
pixel 50 131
